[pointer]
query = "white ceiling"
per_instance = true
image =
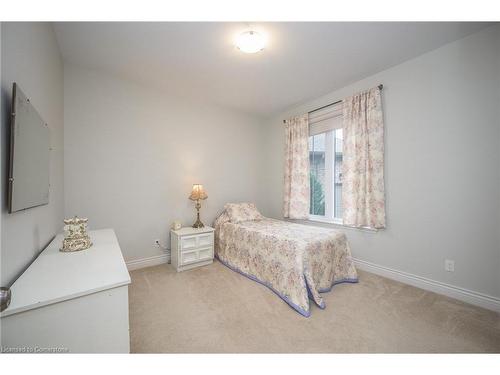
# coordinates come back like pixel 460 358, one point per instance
pixel 302 61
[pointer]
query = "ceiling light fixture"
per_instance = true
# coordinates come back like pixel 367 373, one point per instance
pixel 250 42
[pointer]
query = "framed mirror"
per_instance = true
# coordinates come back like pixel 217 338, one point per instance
pixel 29 155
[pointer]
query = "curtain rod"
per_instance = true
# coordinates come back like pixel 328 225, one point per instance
pixel 380 87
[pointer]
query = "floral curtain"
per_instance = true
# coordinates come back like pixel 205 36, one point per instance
pixel 363 196
pixel 296 188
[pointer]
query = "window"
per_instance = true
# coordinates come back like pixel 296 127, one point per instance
pixel 325 158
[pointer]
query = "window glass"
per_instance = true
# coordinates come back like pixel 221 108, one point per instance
pixel 317 173
pixel 325 157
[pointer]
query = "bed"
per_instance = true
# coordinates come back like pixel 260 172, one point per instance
pixel 297 262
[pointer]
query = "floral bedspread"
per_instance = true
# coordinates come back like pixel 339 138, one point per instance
pixel 295 261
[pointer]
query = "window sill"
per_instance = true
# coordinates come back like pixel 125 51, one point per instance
pixel 318 220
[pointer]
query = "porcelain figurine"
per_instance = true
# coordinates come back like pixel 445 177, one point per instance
pixel 76 237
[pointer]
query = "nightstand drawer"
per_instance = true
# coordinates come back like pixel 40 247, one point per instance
pixel 189 243
pixel 189 257
pixel 205 240
pixel 207 253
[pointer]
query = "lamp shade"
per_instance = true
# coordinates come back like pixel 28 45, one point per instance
pixel 198 193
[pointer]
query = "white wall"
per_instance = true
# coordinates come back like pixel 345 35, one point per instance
pixel 442 166
pixel 30 57
pixel 132 155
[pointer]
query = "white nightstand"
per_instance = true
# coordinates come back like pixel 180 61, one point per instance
pixel 192 247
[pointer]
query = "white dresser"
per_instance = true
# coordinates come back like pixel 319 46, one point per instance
pixel 71 302
pixel 192 247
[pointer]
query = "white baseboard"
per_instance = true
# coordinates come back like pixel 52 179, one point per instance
pixel 474 298
pixel 135 264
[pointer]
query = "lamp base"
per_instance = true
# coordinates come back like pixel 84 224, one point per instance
pixel 198 224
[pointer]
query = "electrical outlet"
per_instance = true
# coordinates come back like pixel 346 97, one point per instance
pixel 449 265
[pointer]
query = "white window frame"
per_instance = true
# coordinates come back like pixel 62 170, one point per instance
pixel 326 121
pixel 323 219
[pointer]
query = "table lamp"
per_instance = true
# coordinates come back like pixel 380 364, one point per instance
pixel 196 195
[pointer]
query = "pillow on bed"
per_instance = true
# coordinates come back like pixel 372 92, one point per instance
pixel 239 212
pixel 221 219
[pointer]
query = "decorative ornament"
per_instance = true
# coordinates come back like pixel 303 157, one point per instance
pixel 76 237
pixel 176 225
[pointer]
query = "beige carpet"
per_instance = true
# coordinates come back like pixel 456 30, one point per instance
pixel 213 309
